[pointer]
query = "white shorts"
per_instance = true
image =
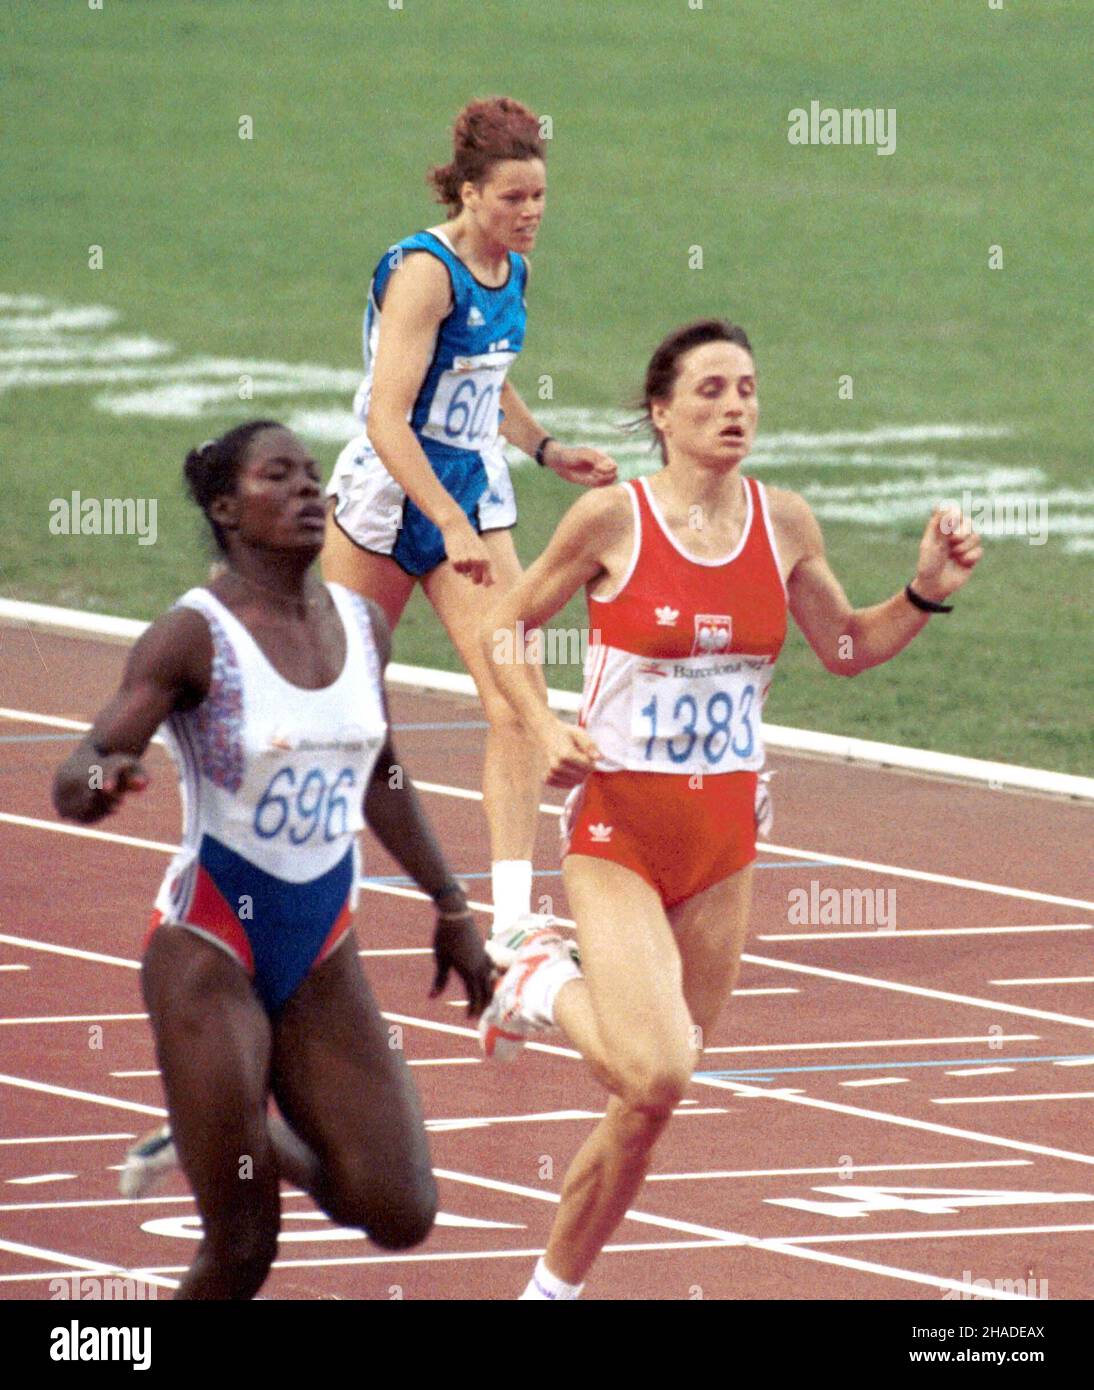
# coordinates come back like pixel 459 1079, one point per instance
pixel 372 509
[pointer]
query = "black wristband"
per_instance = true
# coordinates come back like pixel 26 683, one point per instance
pixel 541 449
pixel 925 605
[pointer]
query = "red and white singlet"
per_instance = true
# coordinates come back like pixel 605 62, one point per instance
pixel 674 687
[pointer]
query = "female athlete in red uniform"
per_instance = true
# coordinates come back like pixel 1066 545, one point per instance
pixel 269 686
pixel 689 576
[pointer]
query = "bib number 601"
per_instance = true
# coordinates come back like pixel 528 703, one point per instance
pixel 302 809
pixel 721 727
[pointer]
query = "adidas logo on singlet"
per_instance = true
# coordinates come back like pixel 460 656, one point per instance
pixel 666 617
pixel 600 834
pixel 475 318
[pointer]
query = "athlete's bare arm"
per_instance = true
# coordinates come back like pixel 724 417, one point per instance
pixel 588 543
pixel 396 818
pixel 577 464
pixel 846 639
pixel 417 298
pixel 168 669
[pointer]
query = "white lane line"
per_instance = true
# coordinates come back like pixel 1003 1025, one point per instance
pixel 995 1038
pixel 444 1061
pixel 1075 1062
pixel 85 832
pixel 1003 1100
pixel 975 885
pixel 89 1202
pixel 878 1081
pixel 796 1097
pixel 737 993
pixel 850 1171
pixel 1051 980
pixel 41 1177
pixel 30 944
pixel 727 1237
pixel 441 1126
pixel 68 1093
pixel 440 789
pixel 902 1121
pixel 878 935
pixel 937 1235
pixel 920 991
pixel 980 1071
pixel 68 1138
pixel 75 1262
pixel 148 1272
pixel 77 1018
pixel 14 967
pixel 125 1075
pixel 400 951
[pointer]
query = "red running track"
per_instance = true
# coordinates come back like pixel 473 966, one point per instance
pixel 897 1111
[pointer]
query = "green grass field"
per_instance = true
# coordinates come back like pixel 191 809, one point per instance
pixel 670 124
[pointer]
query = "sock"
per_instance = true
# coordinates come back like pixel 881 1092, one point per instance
pixel 542 987
pixel 511 880
pixel 545 1287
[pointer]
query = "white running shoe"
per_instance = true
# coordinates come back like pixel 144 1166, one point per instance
pixel 502 948
pixel 509 1018
pixel 148 1162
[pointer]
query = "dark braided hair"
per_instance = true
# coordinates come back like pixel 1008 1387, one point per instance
pixel 664 365
pixel 212 470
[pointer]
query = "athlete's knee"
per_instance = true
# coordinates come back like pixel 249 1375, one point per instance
pixel 655 1084
pixel 395 1215
pixel 406 1221
pixel 652 1088
pixel 241 1254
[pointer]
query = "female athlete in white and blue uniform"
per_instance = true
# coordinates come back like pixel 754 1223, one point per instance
pixel 423 494
pixel 269 687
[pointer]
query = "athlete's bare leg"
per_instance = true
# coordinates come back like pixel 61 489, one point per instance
pixel 653 985
pixel 373 576
pixel 514 769
pixel 213 1043
pixel 354 1137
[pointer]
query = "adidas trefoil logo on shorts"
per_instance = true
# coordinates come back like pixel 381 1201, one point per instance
pixel 475 318
pixel 600 834
pixel 666 617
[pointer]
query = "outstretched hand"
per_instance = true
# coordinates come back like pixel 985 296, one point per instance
pixel 458 946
